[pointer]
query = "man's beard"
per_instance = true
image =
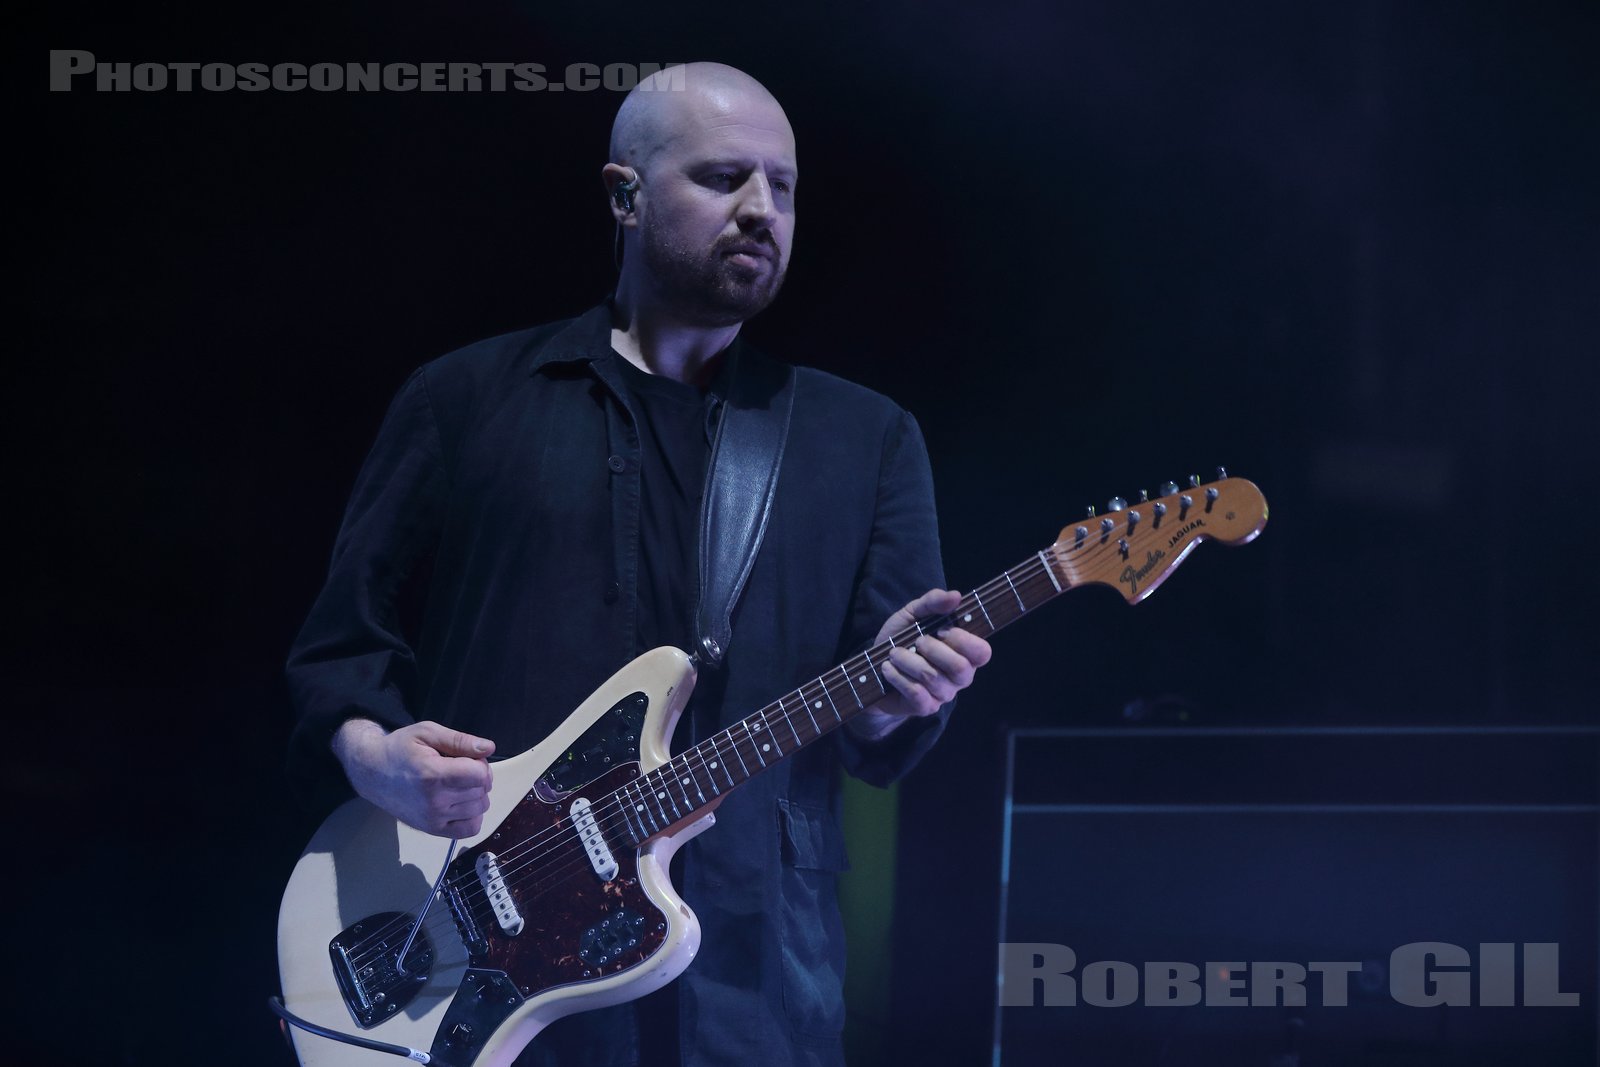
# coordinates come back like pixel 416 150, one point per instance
pixel 704 286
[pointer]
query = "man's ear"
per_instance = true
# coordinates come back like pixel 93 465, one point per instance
pixel 621 183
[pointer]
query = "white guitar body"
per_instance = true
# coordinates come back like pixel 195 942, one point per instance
pixel 482 1008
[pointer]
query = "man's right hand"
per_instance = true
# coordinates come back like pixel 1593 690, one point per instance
pixel 426 775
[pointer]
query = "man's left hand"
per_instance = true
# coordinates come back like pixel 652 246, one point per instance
pixel 926 674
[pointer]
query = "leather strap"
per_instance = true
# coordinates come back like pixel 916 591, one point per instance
pixel 741 480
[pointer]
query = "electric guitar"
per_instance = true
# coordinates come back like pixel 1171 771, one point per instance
pixel 562 903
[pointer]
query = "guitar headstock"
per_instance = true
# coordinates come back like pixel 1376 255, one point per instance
pixel 1133 547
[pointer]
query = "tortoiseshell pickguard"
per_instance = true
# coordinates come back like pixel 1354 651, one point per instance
pixel 577 928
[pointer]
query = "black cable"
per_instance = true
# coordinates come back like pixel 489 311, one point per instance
pixel 276 1004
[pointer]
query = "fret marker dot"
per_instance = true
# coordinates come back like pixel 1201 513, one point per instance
pixel 684 781
pixel 766 748
pixel 818 704
pixel 862 679
pixel 663 796
pixel 638 807
pixel 967 617
pixel 713 764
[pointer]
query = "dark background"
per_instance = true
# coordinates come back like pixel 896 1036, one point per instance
pixel 1348 250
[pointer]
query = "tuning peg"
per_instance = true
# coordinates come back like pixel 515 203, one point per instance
pixel 1144 496
pixel 1116 503
pixel 1090 515
pixel 1168 489
pixel 1194 481
pixel 1222 474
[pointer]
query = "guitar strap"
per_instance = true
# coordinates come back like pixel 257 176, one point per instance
pixel 741 480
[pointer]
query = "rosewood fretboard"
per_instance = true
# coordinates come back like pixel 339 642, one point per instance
pixel 698 776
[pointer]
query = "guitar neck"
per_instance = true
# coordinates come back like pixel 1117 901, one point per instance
pixel 697 777
pixel 1131 550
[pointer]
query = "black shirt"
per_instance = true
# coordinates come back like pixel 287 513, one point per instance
pixel 674 449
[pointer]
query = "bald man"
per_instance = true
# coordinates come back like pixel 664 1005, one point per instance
pixel 549 483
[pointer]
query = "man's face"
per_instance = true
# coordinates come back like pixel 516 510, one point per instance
pixel 716 209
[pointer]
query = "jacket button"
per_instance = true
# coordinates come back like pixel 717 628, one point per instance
pixel 611 593
pixel 617 464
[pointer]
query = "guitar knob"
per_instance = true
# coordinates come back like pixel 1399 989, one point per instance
pixel 1168 488
pixel 1116 503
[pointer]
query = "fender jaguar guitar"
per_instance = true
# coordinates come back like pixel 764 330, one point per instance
pixel 562 903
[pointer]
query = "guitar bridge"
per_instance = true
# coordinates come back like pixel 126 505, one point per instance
pixel 364 961
pixel 472 934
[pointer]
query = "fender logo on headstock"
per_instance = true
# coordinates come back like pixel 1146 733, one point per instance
pixel 1184 531
pixel 1133 575
pixel 1231 511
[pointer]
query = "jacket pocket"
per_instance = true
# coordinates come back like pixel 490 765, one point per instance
pixel 810 930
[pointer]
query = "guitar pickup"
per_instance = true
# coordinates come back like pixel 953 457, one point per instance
pixel 600 857
pixel 494 885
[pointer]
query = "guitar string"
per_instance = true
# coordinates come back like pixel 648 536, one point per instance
pixel 616 819
pixel 733 740
pixel 612 815
pixel 615 803
pixel 610 812
pixel 1027 571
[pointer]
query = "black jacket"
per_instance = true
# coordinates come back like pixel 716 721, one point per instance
pixel 505 483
